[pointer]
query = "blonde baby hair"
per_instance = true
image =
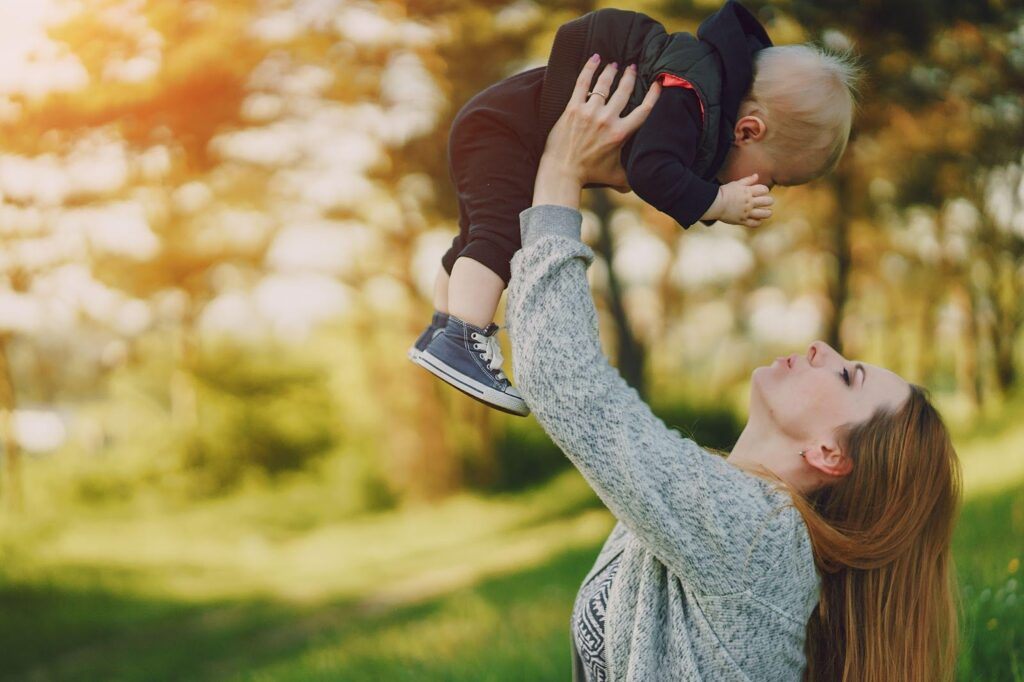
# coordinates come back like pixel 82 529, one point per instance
pixel 807 95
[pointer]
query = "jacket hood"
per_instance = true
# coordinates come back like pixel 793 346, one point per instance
pixel 736 35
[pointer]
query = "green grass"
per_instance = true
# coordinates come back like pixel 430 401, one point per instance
pixel 989 551
pixel 475 588
pixel 503 628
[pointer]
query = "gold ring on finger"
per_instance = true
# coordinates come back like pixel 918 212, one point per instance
pixel 595 92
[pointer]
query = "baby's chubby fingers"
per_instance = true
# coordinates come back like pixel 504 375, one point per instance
pixel 763 200
pixel 760 190
pixel 761 213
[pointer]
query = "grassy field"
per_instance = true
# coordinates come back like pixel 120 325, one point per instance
pixel 267 586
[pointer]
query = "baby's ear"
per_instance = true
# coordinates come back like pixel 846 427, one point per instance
pixel 750 128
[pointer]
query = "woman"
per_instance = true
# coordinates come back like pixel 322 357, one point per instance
pixel 819 547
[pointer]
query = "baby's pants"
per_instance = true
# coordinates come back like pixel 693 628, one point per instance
pixel 493 150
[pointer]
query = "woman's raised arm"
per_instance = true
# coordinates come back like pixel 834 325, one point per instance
pixel 676 497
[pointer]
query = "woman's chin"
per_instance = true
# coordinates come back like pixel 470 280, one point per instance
pixel 759 373
pixel 760 379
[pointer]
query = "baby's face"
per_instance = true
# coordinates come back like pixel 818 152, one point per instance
pixel 747 158
pixel 749 154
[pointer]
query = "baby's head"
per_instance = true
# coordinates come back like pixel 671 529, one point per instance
pixel 795 121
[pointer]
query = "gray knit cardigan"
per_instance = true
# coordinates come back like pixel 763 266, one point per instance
pixel 717 579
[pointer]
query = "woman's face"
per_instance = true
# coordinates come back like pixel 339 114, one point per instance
pixel 807 397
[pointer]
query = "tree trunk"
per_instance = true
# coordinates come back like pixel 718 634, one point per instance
pixel 966 361
pixel 433 468
pixel 840 290
pixel 630 353
pixel 184 403
pixel 926 341
pixel 1006 300
pixel 12 452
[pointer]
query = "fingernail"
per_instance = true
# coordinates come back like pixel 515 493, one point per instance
pixel 615 65
pixel 595 57
pixel 632 67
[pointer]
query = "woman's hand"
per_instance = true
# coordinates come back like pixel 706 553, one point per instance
pixel 584 144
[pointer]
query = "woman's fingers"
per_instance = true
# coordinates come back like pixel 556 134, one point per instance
pixel 618 100
pixel 579 93
pixel 604 85
pixel 635 118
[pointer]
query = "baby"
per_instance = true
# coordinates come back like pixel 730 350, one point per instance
pixel 731 106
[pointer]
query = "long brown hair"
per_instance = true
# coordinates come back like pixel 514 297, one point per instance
pixel 882 535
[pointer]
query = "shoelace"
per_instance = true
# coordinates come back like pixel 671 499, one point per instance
pixel 491 353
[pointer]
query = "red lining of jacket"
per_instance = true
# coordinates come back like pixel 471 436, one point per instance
pixel 669 81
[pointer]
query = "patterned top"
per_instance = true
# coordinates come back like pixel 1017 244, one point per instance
pixel 588 621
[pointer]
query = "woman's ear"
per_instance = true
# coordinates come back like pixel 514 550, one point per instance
pixel 829 459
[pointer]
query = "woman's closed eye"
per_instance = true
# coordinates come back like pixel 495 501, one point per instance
pixel 845 375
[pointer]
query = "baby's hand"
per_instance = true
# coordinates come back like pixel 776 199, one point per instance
pixel 741 203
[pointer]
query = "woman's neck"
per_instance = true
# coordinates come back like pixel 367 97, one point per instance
pixel 769 452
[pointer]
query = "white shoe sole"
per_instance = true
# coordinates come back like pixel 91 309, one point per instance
pixel 471 387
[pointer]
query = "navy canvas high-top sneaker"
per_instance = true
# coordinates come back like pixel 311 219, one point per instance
pixel 469 358
pixel 436 326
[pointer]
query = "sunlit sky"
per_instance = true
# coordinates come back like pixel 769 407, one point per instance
pixel 31 63
pixel 318 150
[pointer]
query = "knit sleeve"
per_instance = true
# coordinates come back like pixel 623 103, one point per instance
pixel 701 516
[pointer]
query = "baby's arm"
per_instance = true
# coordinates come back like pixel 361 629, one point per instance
pixel 658 160
pixel 658 164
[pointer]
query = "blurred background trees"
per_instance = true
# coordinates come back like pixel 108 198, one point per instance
pixel 221 223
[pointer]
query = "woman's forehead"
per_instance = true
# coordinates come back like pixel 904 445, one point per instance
pixel 885 385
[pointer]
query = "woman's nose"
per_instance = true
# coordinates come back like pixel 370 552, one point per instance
pixel 816 351
pixel 819 351
pixel 812 352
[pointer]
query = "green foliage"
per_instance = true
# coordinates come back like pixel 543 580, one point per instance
pixel 245 413
pixel 988 552
pixel 523 456
pixel 259 410
pixel 713 427
pixel 367 487
pixel 100 622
